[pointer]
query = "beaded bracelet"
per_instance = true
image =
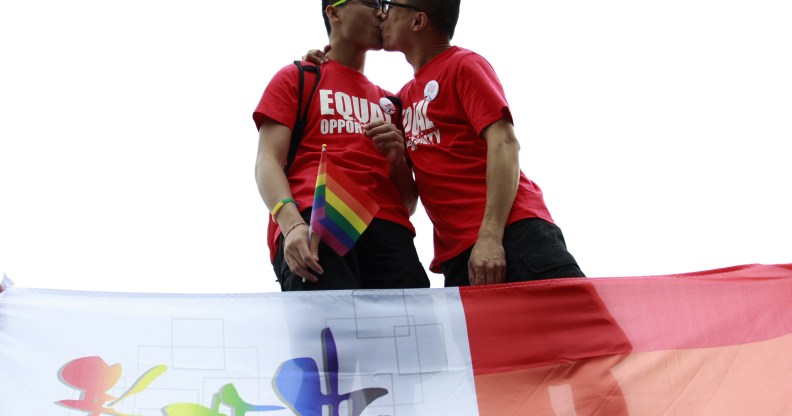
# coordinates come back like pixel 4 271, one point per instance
pixel 280 205
pixel 286 234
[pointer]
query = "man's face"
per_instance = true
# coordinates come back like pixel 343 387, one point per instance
pixel 397 18
pixel 361 24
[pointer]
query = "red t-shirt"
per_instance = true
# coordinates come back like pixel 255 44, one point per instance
pixel 449 155
pixel 344 101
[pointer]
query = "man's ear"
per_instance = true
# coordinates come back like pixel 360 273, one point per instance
pixel 331 12
pixel 420 22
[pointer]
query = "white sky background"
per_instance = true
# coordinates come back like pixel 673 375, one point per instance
pixel 659 132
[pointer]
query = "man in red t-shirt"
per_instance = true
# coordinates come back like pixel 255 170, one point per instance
pixel 345 108
pixel 490 221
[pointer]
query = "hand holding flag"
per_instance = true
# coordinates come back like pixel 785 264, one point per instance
pixel 301 252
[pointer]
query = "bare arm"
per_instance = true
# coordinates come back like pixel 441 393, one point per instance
pixel 487 264
pixel 389 141
pixel 273 186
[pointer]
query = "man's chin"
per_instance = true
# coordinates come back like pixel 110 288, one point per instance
pixel 388 46
pixel 375 47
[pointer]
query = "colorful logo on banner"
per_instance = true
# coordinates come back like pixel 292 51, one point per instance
pixel 297 382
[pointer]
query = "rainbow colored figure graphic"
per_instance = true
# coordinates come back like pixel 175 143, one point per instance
pixel 95 378
pixel 297 382
pixel 228 395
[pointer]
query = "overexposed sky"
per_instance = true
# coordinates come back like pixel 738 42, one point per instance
pixel 659 132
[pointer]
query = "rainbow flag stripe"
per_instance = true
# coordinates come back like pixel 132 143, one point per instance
pixel 339 216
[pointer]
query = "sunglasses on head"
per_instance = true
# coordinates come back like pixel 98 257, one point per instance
pixel 376 4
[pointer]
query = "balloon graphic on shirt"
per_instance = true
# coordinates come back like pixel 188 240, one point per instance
pixel 387 106
pixel 431 90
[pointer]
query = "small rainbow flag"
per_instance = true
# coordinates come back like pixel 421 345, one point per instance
pixel 339 216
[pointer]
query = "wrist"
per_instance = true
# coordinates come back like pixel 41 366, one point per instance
pixel 280 205
pixel 490 234
pixel 292 228
pixel 397 162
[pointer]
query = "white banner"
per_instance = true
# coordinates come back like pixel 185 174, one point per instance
pixel 372 353
pixel 709 343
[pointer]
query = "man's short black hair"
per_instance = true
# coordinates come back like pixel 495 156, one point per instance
pixel 443 14
pixel 325 3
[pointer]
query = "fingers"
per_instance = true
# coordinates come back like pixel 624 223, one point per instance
pixel 487 263
pixel 313 259
pixel 496 271
pixel 315 56
pixel 385 136
pixel 377 126
pixel 390 139
pixel 303 265
pixel 375 123
pixel 302 259
pixel 487 271
pixel 473 275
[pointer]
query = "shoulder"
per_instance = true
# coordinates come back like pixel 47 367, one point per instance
pixel 463 63
pixel 292 70
pixel 285 77
pixel 458 55
pixel 472 67
pixel 288 77
pixel 289 71
pixel 468 59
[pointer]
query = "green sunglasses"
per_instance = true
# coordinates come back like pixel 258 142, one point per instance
pixel 371 3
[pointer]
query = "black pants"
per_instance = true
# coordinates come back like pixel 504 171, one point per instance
pixel 535 250
pixel 384 257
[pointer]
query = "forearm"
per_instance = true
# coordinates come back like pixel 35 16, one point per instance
pixel 270 177
pixel 273 188
pixel 389 141
pixel 401 175
pixel 503 176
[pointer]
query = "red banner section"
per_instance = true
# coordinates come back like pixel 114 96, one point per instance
pixel 708 343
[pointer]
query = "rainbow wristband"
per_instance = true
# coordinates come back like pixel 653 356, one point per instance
pixel 280 205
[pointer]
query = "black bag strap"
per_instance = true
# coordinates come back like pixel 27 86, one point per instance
pixel 302 114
